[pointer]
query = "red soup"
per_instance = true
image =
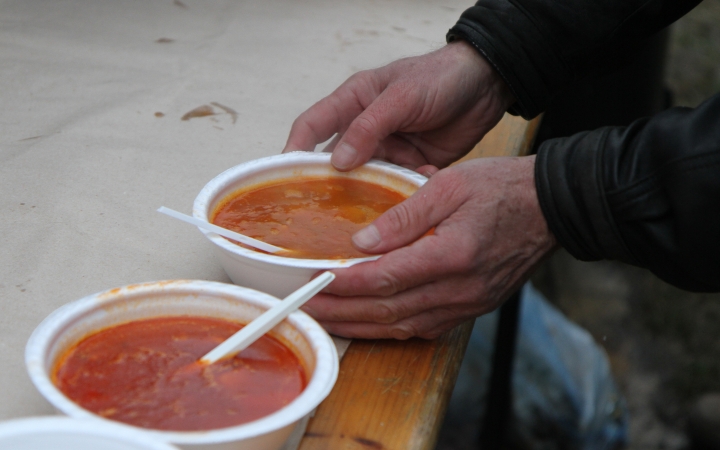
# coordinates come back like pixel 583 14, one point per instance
pixel 315 218
pixel 146 373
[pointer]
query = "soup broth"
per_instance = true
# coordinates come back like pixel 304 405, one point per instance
pixel 146 373
pixel 314 218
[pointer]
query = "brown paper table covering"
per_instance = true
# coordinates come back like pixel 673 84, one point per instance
pixel 92 141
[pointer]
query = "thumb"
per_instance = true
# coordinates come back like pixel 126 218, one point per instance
pixel 408 221
pixel 383 117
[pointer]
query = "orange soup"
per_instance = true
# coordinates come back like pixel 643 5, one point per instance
pixel 315 218
pixel 146 373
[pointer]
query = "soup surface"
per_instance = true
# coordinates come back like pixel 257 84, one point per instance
pixel 146 373
pixel 315 218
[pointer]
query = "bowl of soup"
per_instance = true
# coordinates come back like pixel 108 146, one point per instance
pixel 299 202
pixel 129 356
pixel 65 433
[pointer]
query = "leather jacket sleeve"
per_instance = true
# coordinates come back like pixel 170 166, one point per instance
pixel 647 194
pixel 540 46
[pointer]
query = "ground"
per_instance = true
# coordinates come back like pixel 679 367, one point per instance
pixel 663 343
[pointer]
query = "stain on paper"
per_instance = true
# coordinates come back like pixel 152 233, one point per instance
pixel 228 110
pixel 200 111
pixel 209 110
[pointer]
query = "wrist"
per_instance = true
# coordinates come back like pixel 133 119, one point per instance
pixel 491 78
pixel 530 203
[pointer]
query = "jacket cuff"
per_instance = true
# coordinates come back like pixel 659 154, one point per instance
pixel 519 53
pixel 540 47
pixel 569 183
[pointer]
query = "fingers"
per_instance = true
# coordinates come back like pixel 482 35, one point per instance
pixel 488 238
pixel 364 113
pixel 404 223
pixel 449 293
pixel 450 251
pixel 333 114
pixel 429 259
pixel 395 149
pixel 428 325
pixel 385 115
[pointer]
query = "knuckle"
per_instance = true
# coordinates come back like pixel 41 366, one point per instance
pixel 399 217
pixel 367 81
pixel 403 332
pixel 455 259
pixel 384 313
pixel 319 310
pixel 360 77
pixel 462 261
pixel 452 183
pixel 297 123
pixel 366 124
pixel 303 126
pixel 388 284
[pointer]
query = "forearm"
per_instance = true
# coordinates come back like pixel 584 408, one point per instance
pixel 647 194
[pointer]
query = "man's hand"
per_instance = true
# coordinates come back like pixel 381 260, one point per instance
pixel 426 110
pixel 489 235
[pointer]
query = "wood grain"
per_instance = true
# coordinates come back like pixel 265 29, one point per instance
pixel 513 136
pixel 392 395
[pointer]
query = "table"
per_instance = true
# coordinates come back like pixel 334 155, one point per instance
pixel 92 142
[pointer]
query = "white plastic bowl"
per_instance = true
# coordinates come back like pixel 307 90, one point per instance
pixel 279 275
pixel 72 322
pixel 65 433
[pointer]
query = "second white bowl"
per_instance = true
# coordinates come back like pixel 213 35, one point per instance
pixel 72 322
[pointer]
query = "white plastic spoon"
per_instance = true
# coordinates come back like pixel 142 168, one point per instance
pixel 267 320
pixel 247 240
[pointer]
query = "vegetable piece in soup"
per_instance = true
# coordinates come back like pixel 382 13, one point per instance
pixel 146 373
pixel 315 218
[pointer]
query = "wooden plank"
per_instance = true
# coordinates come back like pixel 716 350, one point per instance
pixel 392 395
pixel 513 136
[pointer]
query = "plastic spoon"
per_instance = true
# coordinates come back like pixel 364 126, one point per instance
pixel 247 240
pixel 267 320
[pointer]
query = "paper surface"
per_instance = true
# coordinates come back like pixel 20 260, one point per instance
pixel 92 139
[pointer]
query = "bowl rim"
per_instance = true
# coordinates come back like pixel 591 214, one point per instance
pixel 24 426
pixel 319 385
pixel 213 187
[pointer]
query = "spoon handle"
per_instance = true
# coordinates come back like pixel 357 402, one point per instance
pixel 247 240
pixel 267 320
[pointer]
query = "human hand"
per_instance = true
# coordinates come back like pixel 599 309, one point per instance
pixel 425 110
pixel 489 235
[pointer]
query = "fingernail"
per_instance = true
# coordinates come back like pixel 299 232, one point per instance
pixel 367 238
pixel 343 156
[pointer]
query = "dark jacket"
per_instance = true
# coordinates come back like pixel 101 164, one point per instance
pixel 647 194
